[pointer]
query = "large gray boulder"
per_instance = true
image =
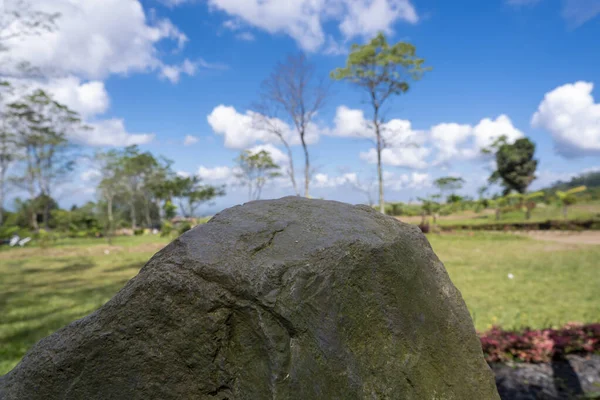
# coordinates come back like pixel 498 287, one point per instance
pixel 283 299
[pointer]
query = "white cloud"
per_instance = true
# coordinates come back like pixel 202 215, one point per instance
pixel 489 130
pixel 545 178
pixel 590 170
pixel 405 146
pixel 407 157
pixel 366 18
pixel 89 98
pixel 411 148
pixel 277 155
pixel 89 175
pixel 447 136
pixel 303 19
pixel 464 142
pixel 94 39
pixel 572 117
pixel 240 132
pixel 110 132
pixel 190 140
pixel 575 12
pixel 414 180
pixel 215 174
pixel 350 123
pixel 321 180
pixel 245 36
pixel 174 72
pixel 578 12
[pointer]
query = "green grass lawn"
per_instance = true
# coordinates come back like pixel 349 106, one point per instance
pixel 42 290
pixel 553 283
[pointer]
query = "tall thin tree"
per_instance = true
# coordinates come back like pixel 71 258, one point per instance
pixel 383 71
pixel 292 94
pixel 44 128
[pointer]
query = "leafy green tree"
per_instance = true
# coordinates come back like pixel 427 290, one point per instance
pixel 8 151
pixel 528 202
pixel 515 165
pixel 43 127
pixel 111 183
pixel 450 184
pixel 454 199
pixel 431 206
pixel 79 221
pixel 569 198
pixel 482 201
pixel 191 194
pixel 136 168
pixel 382 71
pixel 254 170
pixel 498 204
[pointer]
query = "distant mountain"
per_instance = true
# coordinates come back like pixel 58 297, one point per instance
pixel 589 179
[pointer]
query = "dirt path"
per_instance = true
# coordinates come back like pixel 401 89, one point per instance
pixel 585 237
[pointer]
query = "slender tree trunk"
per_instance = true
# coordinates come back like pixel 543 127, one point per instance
pixel 306 165
pixel 161 211
pixel 565 212
pixel 380 171
pixel 132 214
pixel 292 173
pixel 259 187
pixel 528 213
pixel 2 191
pixel 497 214
pixel 183 209
pixel 147 214
pixel 379 150
pixel 46 213
pixel 34 223
pixel 1 201
pixel 109 212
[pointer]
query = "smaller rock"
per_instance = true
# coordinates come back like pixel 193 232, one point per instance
pixel 577 377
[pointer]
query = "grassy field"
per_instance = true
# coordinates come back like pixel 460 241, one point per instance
pixel 42 290
pixel 539 214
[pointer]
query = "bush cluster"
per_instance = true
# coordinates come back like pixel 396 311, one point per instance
pixel 539 346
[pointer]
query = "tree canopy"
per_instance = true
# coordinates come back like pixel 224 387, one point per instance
pixel 515 165
pixel 381 70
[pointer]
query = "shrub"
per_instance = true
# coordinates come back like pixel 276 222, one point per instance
pixel 537 346
pixel 424 227
pixel 7 232
pixel 186 226
pixel 138 232
pixel 44 238
pixel 166 229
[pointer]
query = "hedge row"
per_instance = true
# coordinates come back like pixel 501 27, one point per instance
pixel 574 225
pixel 540 346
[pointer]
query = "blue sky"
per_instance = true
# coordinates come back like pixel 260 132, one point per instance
pixel 152 72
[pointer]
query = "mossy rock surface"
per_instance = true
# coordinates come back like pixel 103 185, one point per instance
pixel 280 299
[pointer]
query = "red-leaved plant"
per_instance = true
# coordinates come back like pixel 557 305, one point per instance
pixel 538 346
